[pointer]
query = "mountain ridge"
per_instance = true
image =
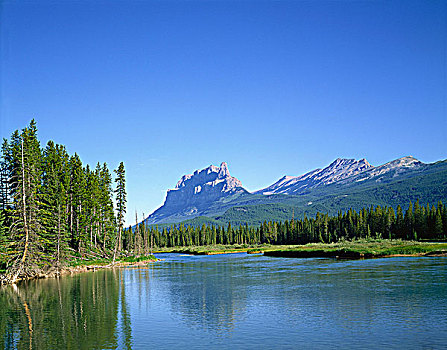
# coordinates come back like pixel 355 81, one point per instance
pixel 337 170
pixel 212 191
pixel 193 193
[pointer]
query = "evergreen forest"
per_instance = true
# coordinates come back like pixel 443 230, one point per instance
pixel 419 222
pixel 53 208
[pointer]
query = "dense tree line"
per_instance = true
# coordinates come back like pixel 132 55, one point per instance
pixel 418 222
pixel 52 207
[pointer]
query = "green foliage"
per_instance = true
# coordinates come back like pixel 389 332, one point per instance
pixel 121 200
pixel 120 193
pixel 53 206
pixel 134 259
pixel 27 233
pixel 367 223
pixel 359 248
pixel 429 185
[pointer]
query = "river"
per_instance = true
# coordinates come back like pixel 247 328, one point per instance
pixel 234 301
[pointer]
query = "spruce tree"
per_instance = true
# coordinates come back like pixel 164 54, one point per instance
pixel 76 197
pixel 27 231
pixel 4 176
pixel 399 228
pixel 120 192
pixel 3 239
pixel 409 222
pixel 55 200
pixel 107 215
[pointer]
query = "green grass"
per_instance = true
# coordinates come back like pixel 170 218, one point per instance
pixel 209 249
pixel 356 248
pixel 361 248
pixel 134 259
pixel 107 261
pixel 82 262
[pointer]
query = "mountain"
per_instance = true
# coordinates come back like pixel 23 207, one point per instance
pixel 388 171
pixel 204 197
pixel 195 193
pixel 338 170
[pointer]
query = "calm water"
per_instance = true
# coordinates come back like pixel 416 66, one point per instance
pixel 234 301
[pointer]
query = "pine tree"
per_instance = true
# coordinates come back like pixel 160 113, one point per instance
pixel 120 203
pixel 4 176
pixel 27 231
pixel 107 216
pixel 438 231
pixel 399 228
pixel 76 199
pixel 409 222
pixel 418 219
pixel 55 200
pixel 3 239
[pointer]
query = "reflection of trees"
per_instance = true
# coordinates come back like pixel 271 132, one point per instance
pixel 125 317
pixel 207 294
pixel 79 311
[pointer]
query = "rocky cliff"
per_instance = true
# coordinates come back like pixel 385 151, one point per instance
pixel 194 193
pixel 338 170
pixel 212 191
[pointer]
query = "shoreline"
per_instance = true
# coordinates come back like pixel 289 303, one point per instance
pixel 315 254
pixel 72 270
pixel 359 249
pixel 345 254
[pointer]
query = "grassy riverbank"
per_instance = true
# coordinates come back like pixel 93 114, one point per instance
pixel 349 249
pixel 77 265
pixel 82 265
pixel 363 249
pixel 209 249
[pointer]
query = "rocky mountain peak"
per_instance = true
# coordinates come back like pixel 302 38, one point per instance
pixel 195 193
pixel 343 163
pixel 211 175
pixel 212 190
pixel 223 171
pixel 407 161
pixel 208 184
pixel 338 170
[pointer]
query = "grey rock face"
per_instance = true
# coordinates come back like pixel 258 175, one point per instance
pixel 195 192
pixel 343 171
pixel 214 187
pixel 338 170
pixel 388 170
pixel 204 185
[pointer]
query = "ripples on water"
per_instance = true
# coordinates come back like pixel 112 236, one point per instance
pixel 234 301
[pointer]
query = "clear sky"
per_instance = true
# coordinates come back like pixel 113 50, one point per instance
pixel 271 87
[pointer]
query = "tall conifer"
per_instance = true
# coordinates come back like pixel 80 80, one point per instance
pixel 121 200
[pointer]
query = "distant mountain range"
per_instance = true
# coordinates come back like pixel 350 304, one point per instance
pixel 213 196
pixel 338 170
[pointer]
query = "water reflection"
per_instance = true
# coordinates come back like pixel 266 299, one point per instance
pixel 238 301
pixel 79 311
pixel 208 294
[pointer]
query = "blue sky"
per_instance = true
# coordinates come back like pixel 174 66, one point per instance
pixel 271 87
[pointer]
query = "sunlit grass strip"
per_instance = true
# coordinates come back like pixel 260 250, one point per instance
pixel 108 261
pixel 361 249
pixel 357 248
